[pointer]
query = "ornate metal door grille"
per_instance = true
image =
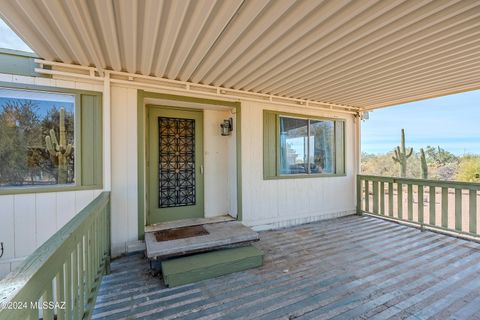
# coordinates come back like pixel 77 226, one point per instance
pixel 176 167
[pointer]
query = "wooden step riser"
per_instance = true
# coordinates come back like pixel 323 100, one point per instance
pixel 194 268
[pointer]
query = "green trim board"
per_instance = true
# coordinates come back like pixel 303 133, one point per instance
pixel 238 133
pixel 19 53
pixel 141 145
pixel 196 210
pixel 43 189
pixel 88 141
pixel 141 141
pixel 184 270
pixel 34 87
pixel 18 63
pixel 271 145
pixel 91 140
pixel 423 182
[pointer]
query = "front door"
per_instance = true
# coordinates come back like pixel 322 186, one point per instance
pixel 174 164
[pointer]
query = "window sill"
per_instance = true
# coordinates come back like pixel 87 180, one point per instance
pixel 45 189
pixel 305 176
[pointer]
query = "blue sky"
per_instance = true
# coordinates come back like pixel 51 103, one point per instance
pixel 43 106
pixel 452 122
pixel 43 100
pixel 9 40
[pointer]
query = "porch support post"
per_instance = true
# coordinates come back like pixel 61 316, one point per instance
pixel 107 148
pixel 357 159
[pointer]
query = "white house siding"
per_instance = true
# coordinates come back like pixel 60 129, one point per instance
pixel 218 153
pixel 28 220
pixel 124 196
pixel 284 202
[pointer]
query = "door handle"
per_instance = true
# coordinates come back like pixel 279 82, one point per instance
pixel 201 169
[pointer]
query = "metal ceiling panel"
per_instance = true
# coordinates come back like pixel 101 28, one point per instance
pixel 367 54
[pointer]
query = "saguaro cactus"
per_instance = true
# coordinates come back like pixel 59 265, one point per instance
pixel 401 156
pixel 423 160
pixel 59 151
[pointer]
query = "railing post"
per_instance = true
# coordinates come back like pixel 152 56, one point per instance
pixel 390 199
pixel 432 204
pixel 420 204
pixel 382 198
pixel 399 200
pixel 367 195
pixel 473 211
pixel 444 207
pixel 60 290
pixel 359 195
pixel 458 209
pixel 375 197
pixel 410 201
pixel 109 247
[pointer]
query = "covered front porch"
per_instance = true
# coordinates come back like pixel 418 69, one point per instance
pixel 356 267
pixel 292 80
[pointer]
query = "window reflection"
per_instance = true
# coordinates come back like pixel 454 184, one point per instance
pixel 322 139
pixel 293 145
pixel 307 146
pixel 36 138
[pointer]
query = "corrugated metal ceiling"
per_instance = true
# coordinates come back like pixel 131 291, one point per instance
pixel 364 53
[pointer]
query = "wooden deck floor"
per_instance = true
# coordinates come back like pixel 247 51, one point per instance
pixel 346 268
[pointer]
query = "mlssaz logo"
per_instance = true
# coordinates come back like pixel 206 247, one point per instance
pixel 48 305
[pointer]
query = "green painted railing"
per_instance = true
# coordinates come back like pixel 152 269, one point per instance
pixel 61 278
pixel 444 205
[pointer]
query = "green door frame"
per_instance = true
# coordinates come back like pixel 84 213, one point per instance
pixel 141 141
pixel 180 212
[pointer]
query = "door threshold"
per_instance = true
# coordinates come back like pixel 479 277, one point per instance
pixel 187 223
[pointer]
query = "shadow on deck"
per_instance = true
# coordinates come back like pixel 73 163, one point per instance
pixel 352 267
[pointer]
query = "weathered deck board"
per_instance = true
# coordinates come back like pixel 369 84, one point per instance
pixel 347 268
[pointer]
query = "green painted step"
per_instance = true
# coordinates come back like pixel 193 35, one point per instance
pixel 180 271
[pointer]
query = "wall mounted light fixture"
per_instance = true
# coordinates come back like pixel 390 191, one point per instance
pixel 364 116
pixel 227 127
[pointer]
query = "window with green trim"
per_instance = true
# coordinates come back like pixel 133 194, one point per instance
pixel 49 138
pixel 297 146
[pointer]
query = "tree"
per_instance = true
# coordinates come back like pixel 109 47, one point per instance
pixel 19 128
pixel 442 164
pixel 381 165
pixel 439 156
pixel 469 169
pixel 23 155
